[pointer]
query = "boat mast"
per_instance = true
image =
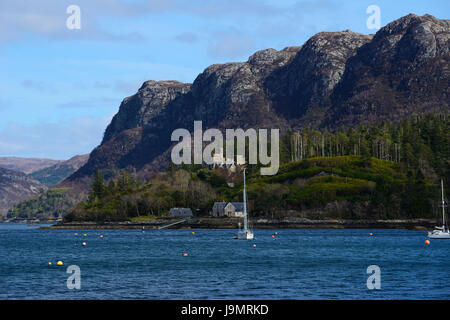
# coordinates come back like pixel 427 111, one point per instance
pixel 245 206
pixel 443 204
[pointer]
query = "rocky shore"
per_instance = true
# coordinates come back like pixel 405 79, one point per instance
pixel 232 223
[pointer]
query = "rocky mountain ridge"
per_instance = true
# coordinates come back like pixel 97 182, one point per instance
pixel 335 79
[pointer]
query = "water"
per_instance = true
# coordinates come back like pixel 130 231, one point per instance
pixel 297 264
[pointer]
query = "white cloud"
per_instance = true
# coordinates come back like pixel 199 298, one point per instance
pixel 56 140
pixel 48 18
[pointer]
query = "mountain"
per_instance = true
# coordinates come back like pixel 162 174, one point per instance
pixel 16 186
pixel 56 173
pixel 26 165
pixel 334 80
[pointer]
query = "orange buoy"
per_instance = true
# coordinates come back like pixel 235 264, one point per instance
pixel 185 254
pixel 273 236
pixel 427 241
pixel 371 234
pixel 254 246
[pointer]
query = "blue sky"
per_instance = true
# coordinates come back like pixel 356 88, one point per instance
pixel 61 87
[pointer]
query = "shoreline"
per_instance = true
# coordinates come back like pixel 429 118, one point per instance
pixel 230 223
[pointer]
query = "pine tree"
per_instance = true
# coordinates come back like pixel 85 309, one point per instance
pixel 98 186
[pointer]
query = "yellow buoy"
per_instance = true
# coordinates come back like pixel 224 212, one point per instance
pixel 85 234
pixel 101 236
pixel 76 234
pixel 49 263
pixel 193 232
pixel 59 263
pixel 370 234
pixel 276 232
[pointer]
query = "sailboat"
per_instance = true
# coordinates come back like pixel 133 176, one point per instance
pixel 245 233
pixel 441 232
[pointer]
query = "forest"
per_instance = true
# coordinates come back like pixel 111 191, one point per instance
pixel 383 171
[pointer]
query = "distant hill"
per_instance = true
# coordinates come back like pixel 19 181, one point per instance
pixel 54 174
pixel 49 204
pixel 26 165
pixel 16 186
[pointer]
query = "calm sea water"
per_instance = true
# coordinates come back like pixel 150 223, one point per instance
pixel 296 264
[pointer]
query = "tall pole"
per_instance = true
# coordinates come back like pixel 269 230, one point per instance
pixel 443 204
pixel 245 205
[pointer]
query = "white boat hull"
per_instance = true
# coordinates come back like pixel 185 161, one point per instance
pixel 439 235
pixel 245 235
pixel 441 232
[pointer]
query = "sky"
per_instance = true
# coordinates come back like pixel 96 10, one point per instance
pixel 60 87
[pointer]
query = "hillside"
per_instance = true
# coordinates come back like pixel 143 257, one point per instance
pixel 385 171
pixel 56 173
pixel 343 187
pixel 380 171
pixel 334 80
pixel 46 205
pixel 26 165
pixel 14 187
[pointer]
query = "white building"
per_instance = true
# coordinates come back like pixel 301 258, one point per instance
pixel 228 209
pixel 220 161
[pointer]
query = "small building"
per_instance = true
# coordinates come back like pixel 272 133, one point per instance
pixel 180 212
pixel 228 209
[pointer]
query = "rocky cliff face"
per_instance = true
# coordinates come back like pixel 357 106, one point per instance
pixel 404 69
pixel 334 79
pixel 14 187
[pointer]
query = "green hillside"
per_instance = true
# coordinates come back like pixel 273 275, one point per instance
pixel 350 187
pixel 49 204
pixel 385 171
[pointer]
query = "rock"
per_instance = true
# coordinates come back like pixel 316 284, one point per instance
pixel 335 79
pixel 139 109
